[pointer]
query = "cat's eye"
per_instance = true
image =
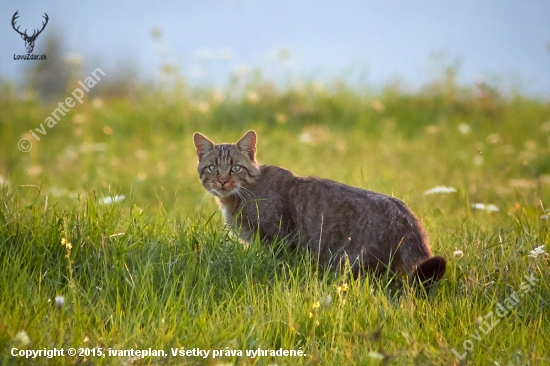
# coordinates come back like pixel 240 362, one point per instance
pixel 236 168
pixel 213 168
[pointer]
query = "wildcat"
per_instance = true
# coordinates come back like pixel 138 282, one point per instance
pixel 334 221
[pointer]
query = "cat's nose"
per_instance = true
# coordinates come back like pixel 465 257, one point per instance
pixel 222 181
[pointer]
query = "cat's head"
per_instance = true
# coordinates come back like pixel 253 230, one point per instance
pixel 227 169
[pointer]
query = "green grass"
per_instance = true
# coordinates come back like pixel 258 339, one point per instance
pixel 158 270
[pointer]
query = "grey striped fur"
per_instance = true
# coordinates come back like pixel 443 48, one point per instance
pixel 335 222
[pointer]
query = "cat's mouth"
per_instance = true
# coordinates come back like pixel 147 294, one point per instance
pixel 223 192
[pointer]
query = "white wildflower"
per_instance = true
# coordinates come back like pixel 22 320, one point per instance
pixel 478 160
pixel 464 129
pixel 98 103
pixel 21 338
pixel 458 254
pixel 376 355
pixel 489 207
pixel 538 251
pixel 59 301
pixel 440 189
pixel 492 208
pixel 109 200
pixel 327 301
pixel 494 138
pixel 305 137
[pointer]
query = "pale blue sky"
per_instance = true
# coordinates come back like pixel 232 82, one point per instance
pixel 375 42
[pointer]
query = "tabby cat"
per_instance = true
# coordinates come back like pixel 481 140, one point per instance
pixel 334 221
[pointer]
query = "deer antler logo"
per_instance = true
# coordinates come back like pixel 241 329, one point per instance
pixel 29 40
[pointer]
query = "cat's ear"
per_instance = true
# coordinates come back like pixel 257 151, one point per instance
pixel 247 144
pixel 202 144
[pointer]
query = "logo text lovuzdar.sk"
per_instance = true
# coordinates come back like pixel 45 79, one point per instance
pixel 29 40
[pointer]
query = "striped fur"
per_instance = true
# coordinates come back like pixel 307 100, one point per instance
pixel 335 222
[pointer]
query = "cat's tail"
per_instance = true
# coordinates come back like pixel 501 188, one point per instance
pixel 430 271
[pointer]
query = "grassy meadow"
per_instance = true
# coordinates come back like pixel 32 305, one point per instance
pixel 109 242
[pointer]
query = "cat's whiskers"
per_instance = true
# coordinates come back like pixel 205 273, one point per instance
pixel 248 192
pixel 212 191
pixel 244 194
pixel 240 194
pixel 246 189
pixel 204 196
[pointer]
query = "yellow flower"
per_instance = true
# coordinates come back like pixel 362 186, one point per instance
pixel 343 288
pixel 66 244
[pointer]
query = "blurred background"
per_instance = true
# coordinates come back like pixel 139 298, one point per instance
pixel 364 92
pixel 363 42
